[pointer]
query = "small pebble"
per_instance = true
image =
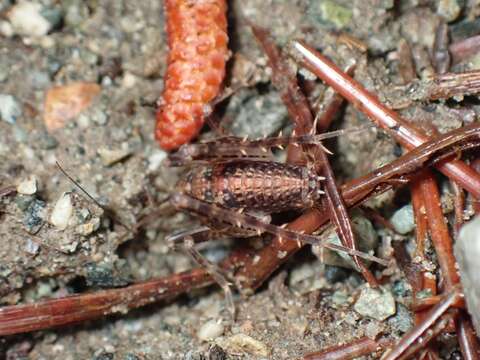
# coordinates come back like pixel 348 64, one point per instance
pixel 112 156
pixel 6 29
pixel 28 186
pixel 76 12
pixel 32 247
pixel 403 320
pixel 449 9
pixel 328 11
pixel 129 80
pixel 10 109
pixel 340 298
pixel 26 19
pixel 99 117
pixel 24 201
pixel 156 159
pixel 89 228
pixel 241 343
pixel 62 212
pixel 467 253
pixel 378 304
pixel 210 330
pixel 403 220
pixel 34 216
pixel 106 275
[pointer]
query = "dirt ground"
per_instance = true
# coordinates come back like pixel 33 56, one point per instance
pixel 109 148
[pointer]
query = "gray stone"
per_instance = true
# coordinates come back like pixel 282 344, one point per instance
pixel 26 19
pixel 403 320
pixel 378 304
pixel 34 216
pixel 403 220
pixel 10 109
pixel 449 9
pixel 28 186
pixel 211 330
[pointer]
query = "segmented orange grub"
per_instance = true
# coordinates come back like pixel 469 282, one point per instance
pixel 197 37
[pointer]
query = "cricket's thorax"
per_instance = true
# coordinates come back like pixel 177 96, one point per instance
pixel 260 186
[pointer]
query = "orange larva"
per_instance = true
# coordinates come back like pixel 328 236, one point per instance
pixel 197 37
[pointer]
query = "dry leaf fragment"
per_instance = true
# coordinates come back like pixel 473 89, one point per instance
pixel 63 103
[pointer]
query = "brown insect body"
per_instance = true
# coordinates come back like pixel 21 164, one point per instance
pixel 253 185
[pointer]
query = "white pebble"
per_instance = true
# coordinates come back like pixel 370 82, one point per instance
pixel 32 247
pixel 6 29
pixel 10 109
pixel 210 330
pixel 26 19
pixel 112 156
pixel 129 80
pixel 403 220
pixel 62 212
pixel 28 186
pixel 156 159
pixel 241 343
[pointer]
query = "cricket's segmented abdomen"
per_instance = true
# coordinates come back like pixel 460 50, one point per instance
pixel 259 186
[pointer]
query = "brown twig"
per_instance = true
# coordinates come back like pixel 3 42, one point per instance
pixel 459 207
pixel 352 350
pixel 73 309
pixel 449 85
pixel 415 333
pixel 421 223
pixel 476 202
pixel 7 190
pixel 402 131
pixel 434 330
pixel 439 230
pixel 466 337
pixel 427 303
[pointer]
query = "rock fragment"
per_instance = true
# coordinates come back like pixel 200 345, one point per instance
pixel 211 330
pixel 28 186
pixel 241 343
pixel 62 212
pixel 10 109
pixel 378 304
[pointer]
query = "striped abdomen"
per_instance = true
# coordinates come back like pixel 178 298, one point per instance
pixel 197 37
pixel 260 186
